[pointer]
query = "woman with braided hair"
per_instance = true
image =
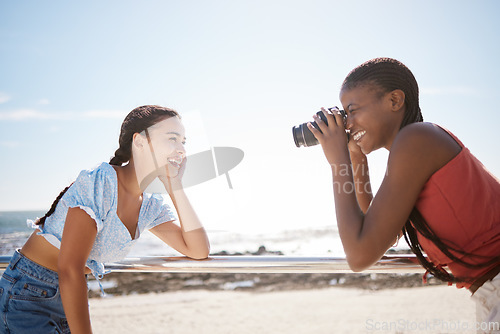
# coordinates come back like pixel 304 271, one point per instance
pixel 102 213
pixel 435 191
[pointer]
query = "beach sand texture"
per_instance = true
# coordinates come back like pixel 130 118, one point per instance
pixel 429 309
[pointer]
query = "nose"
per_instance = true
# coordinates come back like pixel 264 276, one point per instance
pixel 348 122
pixel 181 151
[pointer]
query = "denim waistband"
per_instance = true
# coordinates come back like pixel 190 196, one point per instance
pixel 33 269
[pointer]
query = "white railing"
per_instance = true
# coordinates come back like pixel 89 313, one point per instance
pixel 255 264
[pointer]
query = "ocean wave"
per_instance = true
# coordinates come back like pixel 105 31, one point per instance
pixel 12 241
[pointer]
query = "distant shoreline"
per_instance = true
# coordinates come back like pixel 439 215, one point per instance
pixel 123 284
pixel 20 211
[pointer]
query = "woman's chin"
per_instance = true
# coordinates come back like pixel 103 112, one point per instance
pixel 364 148
pixel 171 171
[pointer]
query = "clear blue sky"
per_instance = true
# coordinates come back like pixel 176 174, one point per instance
pixel 70 71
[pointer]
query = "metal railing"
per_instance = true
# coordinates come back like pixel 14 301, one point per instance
pixel 255 264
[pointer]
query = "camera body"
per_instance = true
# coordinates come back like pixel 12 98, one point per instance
pixel 304 137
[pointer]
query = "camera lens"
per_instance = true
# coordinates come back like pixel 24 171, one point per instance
pixel 304 137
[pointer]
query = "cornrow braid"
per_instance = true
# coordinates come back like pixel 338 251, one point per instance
pixel 389 74
pixel 41 221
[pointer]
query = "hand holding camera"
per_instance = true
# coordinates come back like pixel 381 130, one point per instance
pixel 328 129
pixel 302 134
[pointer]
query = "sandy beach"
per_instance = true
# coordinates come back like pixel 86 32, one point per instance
pixel 428 309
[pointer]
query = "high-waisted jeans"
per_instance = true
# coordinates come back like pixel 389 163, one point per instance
pixel 30 301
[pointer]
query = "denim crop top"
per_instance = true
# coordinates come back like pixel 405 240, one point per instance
pixel 96 192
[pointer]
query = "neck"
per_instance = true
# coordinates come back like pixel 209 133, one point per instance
pixel 396 127
pixel 128 179
pixel 391 140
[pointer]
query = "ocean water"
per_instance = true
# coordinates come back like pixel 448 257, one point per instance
pixel 304 242
pixel 15 221
pixel 13 229
pixel 317 241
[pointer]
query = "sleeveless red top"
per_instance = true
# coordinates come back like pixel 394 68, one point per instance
pixel 461 204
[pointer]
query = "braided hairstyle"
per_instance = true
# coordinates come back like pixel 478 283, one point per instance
pixel 388 74
pixel 136 121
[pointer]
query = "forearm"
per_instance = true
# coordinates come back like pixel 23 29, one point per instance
pixel 193 232
pixel 352 193
pixel 361 178
pixel 74 296
pixel 350 216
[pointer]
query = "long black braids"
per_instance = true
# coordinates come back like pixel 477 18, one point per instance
pixel 417 222
pixel 390 74
pixel 136 121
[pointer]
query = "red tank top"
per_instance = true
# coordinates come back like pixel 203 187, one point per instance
pixel 461 204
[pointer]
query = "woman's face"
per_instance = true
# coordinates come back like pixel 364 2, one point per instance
pixel 369 117
pixel 167 143
pixel 159 151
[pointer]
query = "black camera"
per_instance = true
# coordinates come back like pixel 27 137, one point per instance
pixel 304 137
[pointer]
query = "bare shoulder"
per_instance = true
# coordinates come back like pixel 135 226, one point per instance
pixel 424 144
pixel 427 132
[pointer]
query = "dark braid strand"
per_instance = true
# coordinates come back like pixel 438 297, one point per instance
pixel 418 223
pixel 120 157
pixel 41 221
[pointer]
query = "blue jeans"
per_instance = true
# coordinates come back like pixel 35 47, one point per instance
pixel 29 299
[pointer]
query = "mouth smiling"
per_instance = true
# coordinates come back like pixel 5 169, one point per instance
pixel 358 134
pixel 175 161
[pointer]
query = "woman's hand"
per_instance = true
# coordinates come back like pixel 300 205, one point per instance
pixel 190 238
pixel 332 137
pixel 172 176
pixel 355 151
